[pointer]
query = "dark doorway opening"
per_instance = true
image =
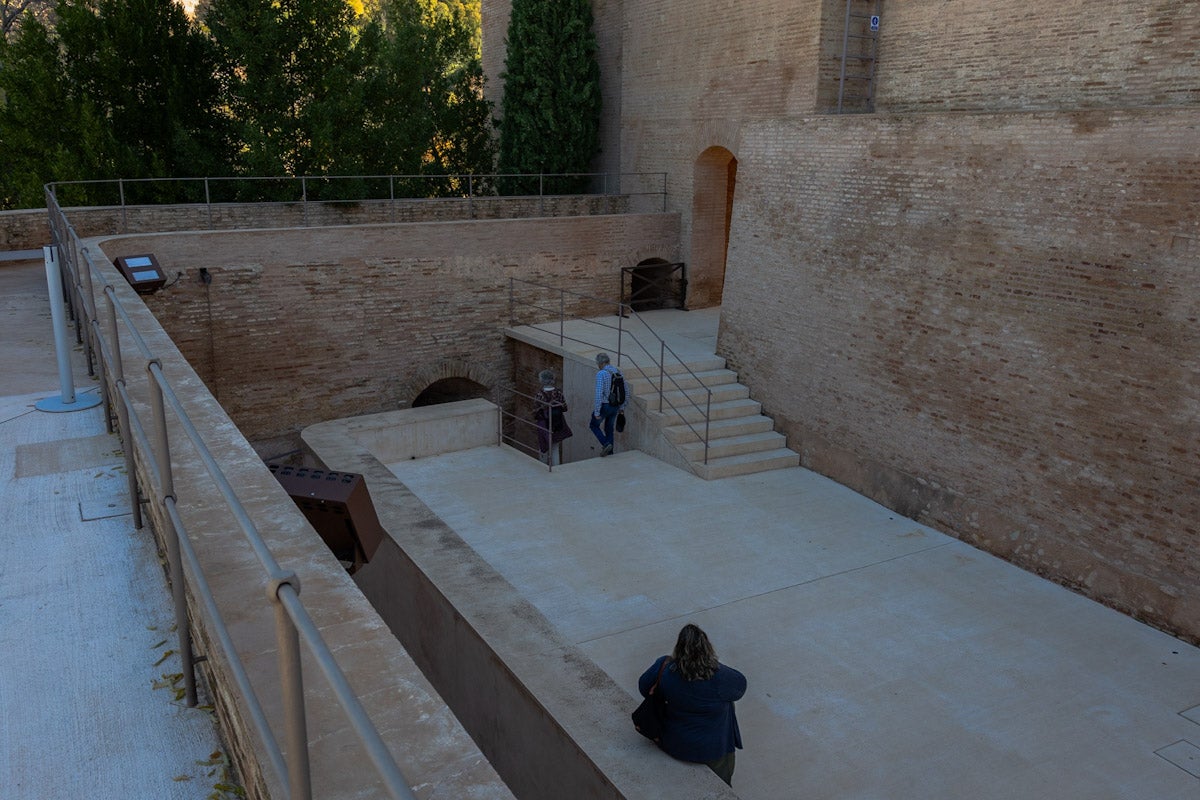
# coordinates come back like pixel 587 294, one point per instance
pixel 654 284
pixel 450 390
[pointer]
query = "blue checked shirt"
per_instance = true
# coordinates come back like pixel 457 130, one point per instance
pixel 603 385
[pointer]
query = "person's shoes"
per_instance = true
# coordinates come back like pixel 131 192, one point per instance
pixel 607 451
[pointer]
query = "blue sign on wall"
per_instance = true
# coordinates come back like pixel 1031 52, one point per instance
pixel 875 23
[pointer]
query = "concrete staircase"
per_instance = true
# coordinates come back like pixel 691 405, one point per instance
pixel 741 439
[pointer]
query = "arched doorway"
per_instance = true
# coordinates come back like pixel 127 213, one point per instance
pixel 449 390
pixel 712 212
pixel 655 283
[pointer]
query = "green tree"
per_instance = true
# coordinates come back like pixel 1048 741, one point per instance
pixel 149 73
pixel 424 111
pixel 551 121
pixel 290 71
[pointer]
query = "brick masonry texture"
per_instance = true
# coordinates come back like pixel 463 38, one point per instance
pixel 984 316
pixel 988 322
pixel 303 326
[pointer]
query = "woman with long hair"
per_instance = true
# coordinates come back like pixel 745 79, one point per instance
pixel 701 725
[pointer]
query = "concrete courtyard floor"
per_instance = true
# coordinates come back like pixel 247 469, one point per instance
pixel 885 660
pixel 87 646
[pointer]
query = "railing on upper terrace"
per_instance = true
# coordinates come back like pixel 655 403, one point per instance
pixel 646 190
pixel 646 351
pixel 146 442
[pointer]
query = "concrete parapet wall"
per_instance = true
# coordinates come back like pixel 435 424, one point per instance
pixel 552 722
pixel 432 750
pixel 989 323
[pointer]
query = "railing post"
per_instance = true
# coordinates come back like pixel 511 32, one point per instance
pixel 471 195
pixel 512 319
pixel 707 418
pixel 620 330
pixel 88 301
pixel 124 218
pixel 541 194
pixel 118 367
pixel 208 203
pixel 499 418
pixel 166 483
pixel 304 198
pixel 562 316
pixel 291 679
pixel 662 368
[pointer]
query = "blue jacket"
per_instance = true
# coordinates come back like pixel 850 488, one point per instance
pixel 701 724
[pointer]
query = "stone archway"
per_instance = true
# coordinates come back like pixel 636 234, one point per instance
pixel 449 390
pixel 448 381
pixel 715 177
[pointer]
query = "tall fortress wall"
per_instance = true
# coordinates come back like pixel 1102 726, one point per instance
pixel 977 304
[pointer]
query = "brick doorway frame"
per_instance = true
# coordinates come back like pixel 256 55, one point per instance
pixel 714 181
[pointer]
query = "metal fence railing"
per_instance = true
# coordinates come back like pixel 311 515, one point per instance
pixel 549 312
pixel 343 190
pixel 146 442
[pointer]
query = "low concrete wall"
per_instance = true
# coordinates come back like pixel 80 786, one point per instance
pixel 427 431
pixel 552 723
pixel 430 746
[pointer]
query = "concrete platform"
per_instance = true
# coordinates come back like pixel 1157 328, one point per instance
pixel 88 704
pixel 885 659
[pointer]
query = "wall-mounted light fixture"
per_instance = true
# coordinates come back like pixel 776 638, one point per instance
pixel 143 272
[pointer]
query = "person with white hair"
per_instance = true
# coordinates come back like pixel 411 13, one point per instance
pixel 610 399
pixel 550 414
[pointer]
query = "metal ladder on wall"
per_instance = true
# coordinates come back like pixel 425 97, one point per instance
pixel 860 45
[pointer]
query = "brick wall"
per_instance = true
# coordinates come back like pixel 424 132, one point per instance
pixel 1011 54
pixel 302 326
pixel 989 322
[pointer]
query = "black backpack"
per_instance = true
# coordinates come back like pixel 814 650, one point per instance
pixel 616 390
pixel 556 418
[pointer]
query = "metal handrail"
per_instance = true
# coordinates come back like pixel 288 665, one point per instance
pixel 503 393
pixel 623 334
pixel 293 622
pixel 304 189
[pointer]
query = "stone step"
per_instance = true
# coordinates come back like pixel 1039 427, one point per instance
pixel 733 446
pixel 719 428
pixel 648 385
pixel 724 410
pixel 743 407
pixel 698 396
pixel 748 463
pixel 640 365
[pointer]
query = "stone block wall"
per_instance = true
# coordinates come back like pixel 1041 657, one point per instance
pixel 305 325
pixel 989 323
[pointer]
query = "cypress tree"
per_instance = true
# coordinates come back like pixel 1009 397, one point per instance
pixel 551 102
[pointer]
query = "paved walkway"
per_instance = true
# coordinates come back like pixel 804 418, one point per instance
pixel 886 661
pixel 88 675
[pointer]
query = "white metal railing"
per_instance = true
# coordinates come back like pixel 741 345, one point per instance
pixel 648 357
pixel 151 446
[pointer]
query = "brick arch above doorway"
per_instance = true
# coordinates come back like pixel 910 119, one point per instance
pixel 450 372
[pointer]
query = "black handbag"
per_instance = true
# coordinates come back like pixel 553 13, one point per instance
pixel 620 422
pixel 650 718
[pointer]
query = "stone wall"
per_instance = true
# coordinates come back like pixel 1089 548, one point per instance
pixel 301 326
pixel 989 323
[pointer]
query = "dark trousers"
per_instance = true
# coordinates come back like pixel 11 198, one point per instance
pixel 608 416
pixel 723 766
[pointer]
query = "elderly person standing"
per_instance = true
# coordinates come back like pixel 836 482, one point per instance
pixel 550 414
pixel 606 406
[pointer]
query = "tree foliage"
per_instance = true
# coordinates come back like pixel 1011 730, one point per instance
pixel 137 89
pixel 551 120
